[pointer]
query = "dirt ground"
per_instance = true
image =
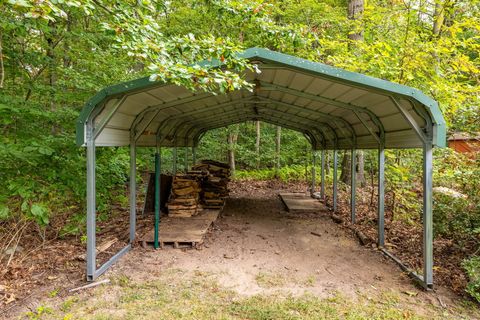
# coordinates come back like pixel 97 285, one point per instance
pixel 256 238
pixel 257 247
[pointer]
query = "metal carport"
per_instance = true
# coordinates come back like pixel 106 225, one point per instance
pixel 335 109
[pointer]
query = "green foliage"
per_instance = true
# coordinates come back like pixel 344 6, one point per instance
pixel 457 215
pixel 472 267
pixel 39 312
pixel 400 175
pixel 285 174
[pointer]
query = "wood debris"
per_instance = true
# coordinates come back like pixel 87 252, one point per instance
pixel 90 285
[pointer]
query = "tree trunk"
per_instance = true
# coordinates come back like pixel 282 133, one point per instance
pixel 52 73
pixel 257 144
pixel 361 168
pixel 355 12
pixel 232 141
pixel 277 150
pixel 438 18
pixel 346 168
pixel 2 67
pixel 307 158
pixel 327 162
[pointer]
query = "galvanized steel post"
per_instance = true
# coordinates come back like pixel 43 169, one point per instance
pixel 427 215
pixel 353 184
pixel 381 196
pixel 133 189
pixel 322 173
pixel 91 205
pixel 314 163
pixel 335 169
pixel 157 197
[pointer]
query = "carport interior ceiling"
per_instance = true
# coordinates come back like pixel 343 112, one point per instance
pixel 333 108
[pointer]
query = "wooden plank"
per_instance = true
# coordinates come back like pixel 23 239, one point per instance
pixel 182 230
pixel 300 202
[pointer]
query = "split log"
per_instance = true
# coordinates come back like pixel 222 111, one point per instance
pixel 90 285
pixel 336 218
pixel 364 240
pixel 101 248
pixel 183 191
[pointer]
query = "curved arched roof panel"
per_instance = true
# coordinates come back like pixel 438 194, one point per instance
pixel 334 108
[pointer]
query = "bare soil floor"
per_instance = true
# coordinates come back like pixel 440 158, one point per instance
pixel 256 240
pixel 257 248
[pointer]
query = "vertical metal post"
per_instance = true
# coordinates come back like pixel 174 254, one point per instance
pixel 133 189
pixel 91 205
pixel 314 164
pixel 322 173
pixel 194 156
pixel 186 159
pixel 157 197
pixel 427 215
pixel 353 184
pixel 381 196
pixel 335 169
pixel 174 160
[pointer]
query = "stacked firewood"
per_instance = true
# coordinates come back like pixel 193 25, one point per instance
pixel 185 196
pixel 215 184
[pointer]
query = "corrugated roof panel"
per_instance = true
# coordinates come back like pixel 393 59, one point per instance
pixel 275 95
pixel 113 137
pixel 384 108
pixel 121 120
pixel 351 96
pixel 394 123
pixel 300 91
pixel 288 98
pixel 370 100
pixel 107 109
pixel 300 82
pixel 172 92
pixel 267 75
pixel 283 77
pixel 318 86
pixel 335 91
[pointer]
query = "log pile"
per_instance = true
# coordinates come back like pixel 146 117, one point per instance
pixel 215 184
pixel 185 196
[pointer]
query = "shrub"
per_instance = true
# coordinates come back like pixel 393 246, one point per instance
pixel 472 268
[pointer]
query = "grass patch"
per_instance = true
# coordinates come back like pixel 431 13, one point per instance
pixel 270 279
pixel 183 295
pixel 309 281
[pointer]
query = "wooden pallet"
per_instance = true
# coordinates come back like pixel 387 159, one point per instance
pixel 182 232
pixel 301 202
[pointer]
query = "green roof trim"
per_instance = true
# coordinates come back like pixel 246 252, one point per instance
pixel 292 62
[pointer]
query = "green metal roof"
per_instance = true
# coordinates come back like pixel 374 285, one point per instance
pixel 333 107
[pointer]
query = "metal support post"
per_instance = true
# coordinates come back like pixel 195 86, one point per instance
pixel 381 196
pixel 427 215
pixel 322 173
pixel 314 164
pixel 335 169
pixel 194 156
pixel 91 206
pixel 353 184
pixel 186 159
pixel 133 190
pixel 157 197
